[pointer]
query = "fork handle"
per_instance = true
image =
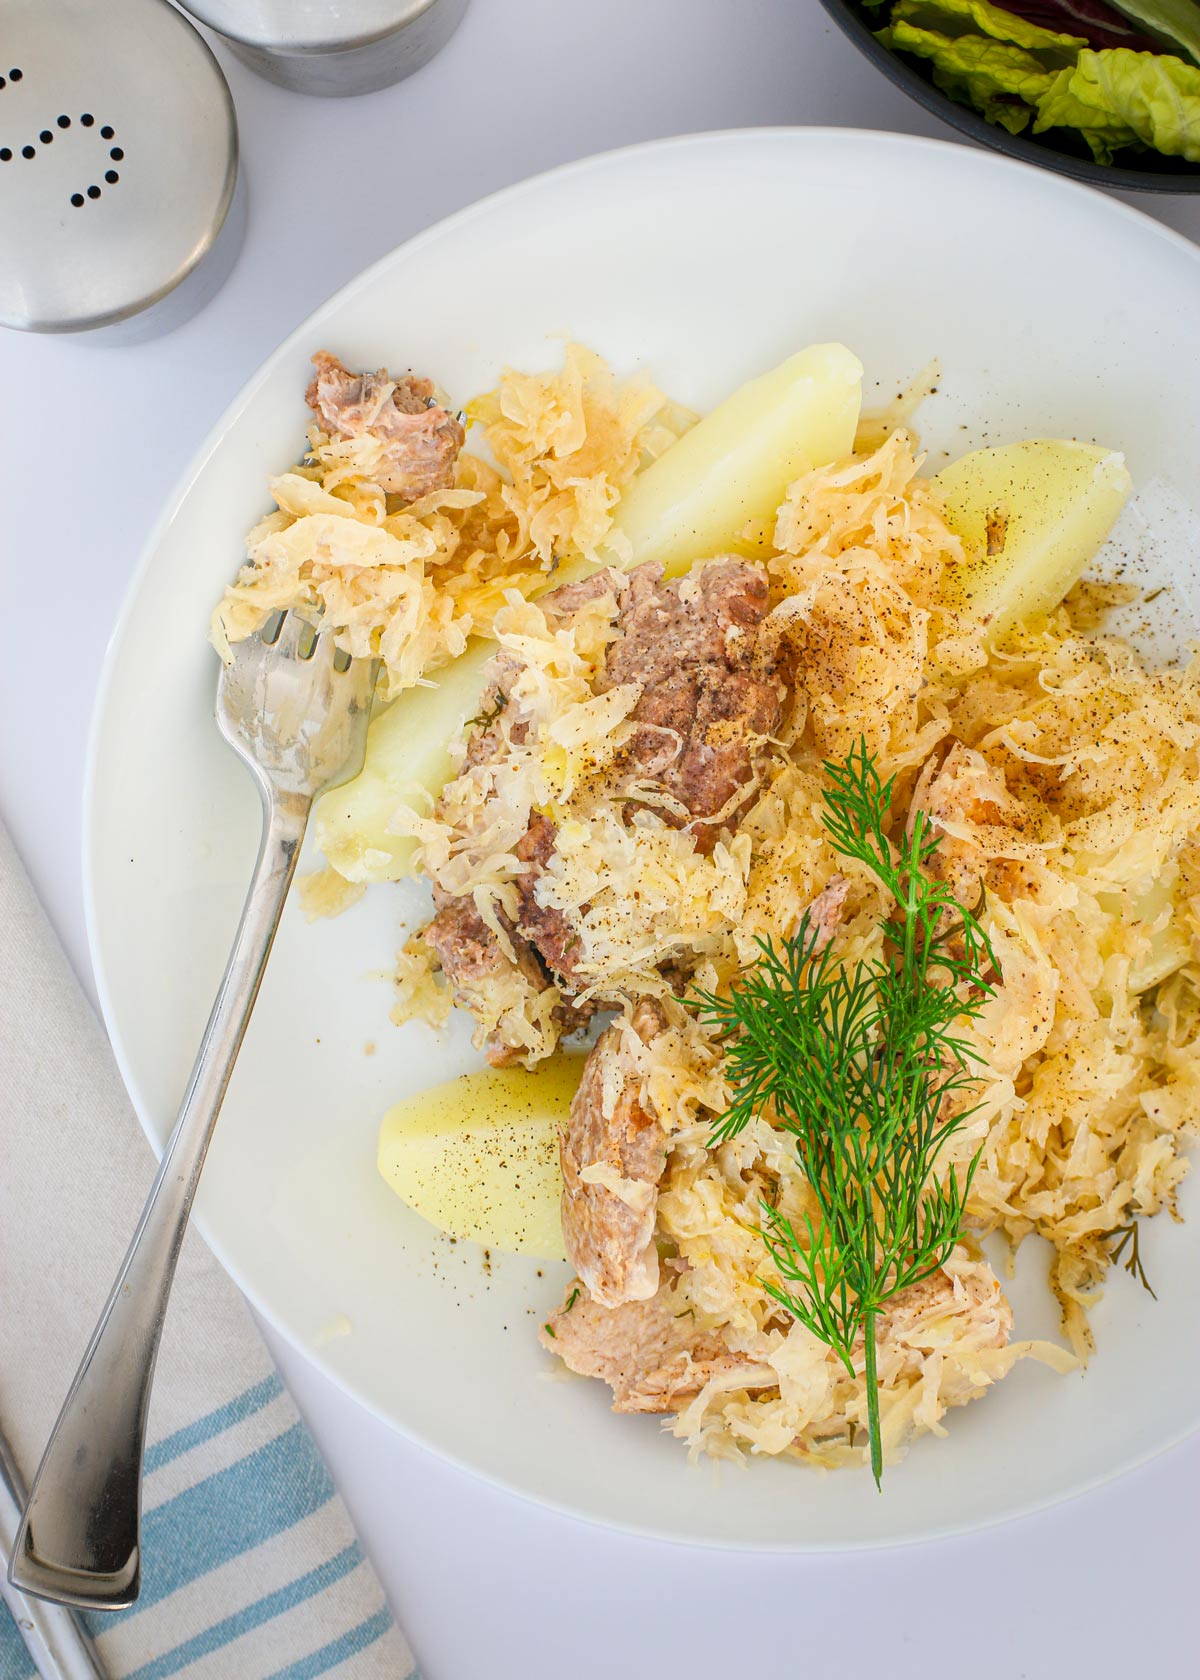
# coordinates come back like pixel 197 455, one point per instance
pixel 79 1541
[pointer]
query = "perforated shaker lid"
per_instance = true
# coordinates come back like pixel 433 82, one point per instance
pixel 118 158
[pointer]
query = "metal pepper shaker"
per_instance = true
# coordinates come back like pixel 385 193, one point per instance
pixel 118 167
pixel 332 46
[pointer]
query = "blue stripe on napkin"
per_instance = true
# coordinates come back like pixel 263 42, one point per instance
pixel 273 1604
pixel 228 1514
pixel 215 1423
pixel 349 1645
pixel 15 1663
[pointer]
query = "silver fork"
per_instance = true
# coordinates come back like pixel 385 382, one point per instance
pixel 296 711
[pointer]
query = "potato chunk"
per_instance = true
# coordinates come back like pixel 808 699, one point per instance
pixel 1030 515
pixel 734 466
pixel 478 1156
pixel 407 762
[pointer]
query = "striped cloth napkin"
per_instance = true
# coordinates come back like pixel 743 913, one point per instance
pixel 251 1570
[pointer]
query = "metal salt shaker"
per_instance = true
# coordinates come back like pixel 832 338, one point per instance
pixel 332 46
pixel 118 167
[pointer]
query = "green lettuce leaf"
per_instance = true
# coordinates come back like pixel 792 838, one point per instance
pixel 1104 131
pixel 1176 22
pixel 1000 79
pixel 1116 97
pixel 957 19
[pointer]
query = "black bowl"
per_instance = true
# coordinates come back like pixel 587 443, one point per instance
pixel 1057 149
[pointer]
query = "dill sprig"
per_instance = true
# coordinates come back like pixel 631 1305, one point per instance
pixel 484 720
pixel 1126 1237
pixel 866 1067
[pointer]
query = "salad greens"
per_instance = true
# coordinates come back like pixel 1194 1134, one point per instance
pixel 1124 76
pixel 1121 98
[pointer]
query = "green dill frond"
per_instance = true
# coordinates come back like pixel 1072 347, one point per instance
pixel 484 720
pixel 867 1068
pixel 1126 1237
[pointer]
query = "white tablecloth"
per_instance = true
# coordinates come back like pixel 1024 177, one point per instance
pixel 92 440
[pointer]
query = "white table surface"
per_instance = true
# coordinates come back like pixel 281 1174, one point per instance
pixel 92 440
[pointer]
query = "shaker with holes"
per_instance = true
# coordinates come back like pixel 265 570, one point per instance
pixel 120 213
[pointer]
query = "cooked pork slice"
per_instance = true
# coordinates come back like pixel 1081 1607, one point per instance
pixel 547 929
pixel 570 598
pixel 521 1012
pixel 654 1359
pixel 648 1352
pixel 484 979
pixel 710 692
pixel 613 1152
pixel 420 439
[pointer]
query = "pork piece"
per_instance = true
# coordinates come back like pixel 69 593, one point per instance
pixel 654 1359
pixel 481 974
pixel 611 1164
pixel 571 598
pixel 972 812
pixel 710 691
pixel 648 1352
pixel 709 695
pixel 420 439
pixel 546 929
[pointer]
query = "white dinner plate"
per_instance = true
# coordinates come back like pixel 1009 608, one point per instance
pixel 1054 310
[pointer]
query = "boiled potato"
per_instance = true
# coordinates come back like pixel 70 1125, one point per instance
pixel 478 1156
pixel 1031 515
pixel 733 466
pixel 407 762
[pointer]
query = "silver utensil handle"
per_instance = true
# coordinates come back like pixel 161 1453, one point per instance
pixel 79 1541
pixel 58 1643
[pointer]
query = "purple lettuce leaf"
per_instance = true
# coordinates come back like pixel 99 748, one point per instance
pixel 1099 24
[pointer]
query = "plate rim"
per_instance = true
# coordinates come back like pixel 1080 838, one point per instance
pixel 986 161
